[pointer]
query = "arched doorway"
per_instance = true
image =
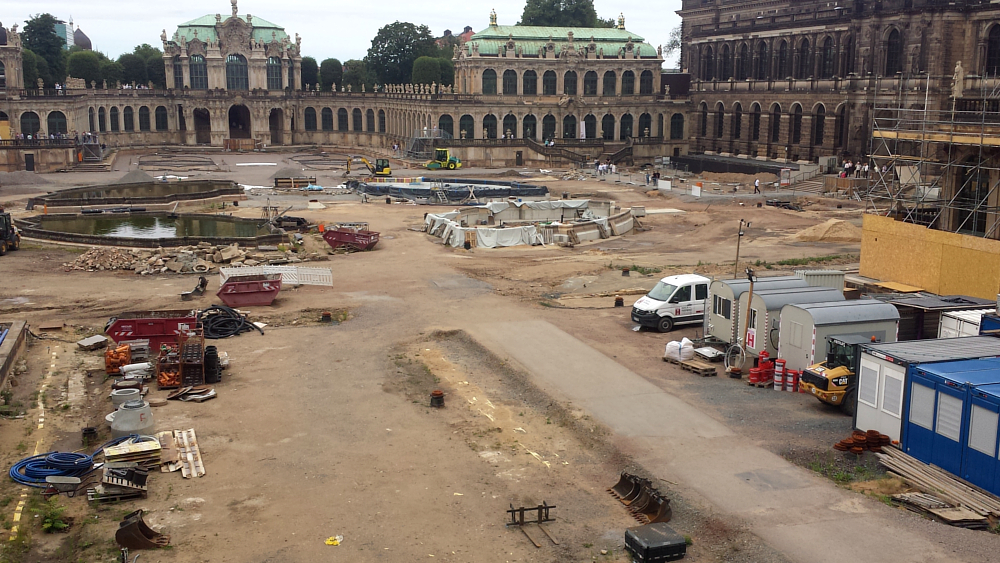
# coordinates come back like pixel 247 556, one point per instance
pixel 56 123
pixel 202 126
pixel 590 126
pixel 30 124
pixel 276 124
pixel 239 122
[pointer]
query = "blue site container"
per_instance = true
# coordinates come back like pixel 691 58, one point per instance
pixel 980 465
pixel 937 409
pixel 989 325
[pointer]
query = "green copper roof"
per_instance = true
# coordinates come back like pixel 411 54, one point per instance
pixel 532 38
pixel 205 25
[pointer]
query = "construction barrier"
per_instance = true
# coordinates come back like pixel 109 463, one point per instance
pixel 294 275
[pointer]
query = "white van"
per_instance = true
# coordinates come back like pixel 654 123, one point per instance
pixel 676 300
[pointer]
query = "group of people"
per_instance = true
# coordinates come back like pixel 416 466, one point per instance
pixel 855 170
pixel 604 168
pixel 654 178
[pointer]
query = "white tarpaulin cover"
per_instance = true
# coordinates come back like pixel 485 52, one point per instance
pixel 453 234
pixel 498 206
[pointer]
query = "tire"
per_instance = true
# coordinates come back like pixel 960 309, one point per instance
pixel 213 371
pixel 666 324
pixel 850 402
pixel 451 166
pixel 3 247
pixel 17 244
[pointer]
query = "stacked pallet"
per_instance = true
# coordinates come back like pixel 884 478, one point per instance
pixel 936 509
pixel 940 483
pixel 143 453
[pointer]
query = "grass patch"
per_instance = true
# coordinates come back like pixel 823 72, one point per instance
pixel 810 260
pixel 847 469
pixel 644 270
pixel 51 514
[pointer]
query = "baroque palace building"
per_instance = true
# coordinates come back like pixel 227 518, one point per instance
pixel 236 81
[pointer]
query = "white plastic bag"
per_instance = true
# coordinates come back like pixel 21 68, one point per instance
pixel 687 350
pixel 673 351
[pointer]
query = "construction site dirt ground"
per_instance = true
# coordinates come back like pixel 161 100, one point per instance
pixel 325 430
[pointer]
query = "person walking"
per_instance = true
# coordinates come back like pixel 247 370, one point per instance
pixel 756 185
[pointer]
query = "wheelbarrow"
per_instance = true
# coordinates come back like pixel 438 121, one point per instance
pixel 69 486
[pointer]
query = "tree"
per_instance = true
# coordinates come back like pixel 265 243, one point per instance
pixel 134 69
pixel 156 72
pixel 562 13
pixel 310 73
pixel 447 72
pixel 147 51
pixel 85 65
pixel 356 73
pixel 40 37
pixel 113 73
pixel 426 70
pixel 29 68
pixel 331 73
pixel 395 48
pixel 673 42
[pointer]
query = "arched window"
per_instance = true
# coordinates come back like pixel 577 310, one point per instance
pixel 590 83
pixel 783 72
pixel 310 119
pixel 819 125
pixel 446 125
pixel 490 127
pixel 760 72
pixel 646 83
pixel 726 63
pixel 273 73
pixel 628 83
pixel 326 119
pixel 342 121
pixel 829 59
pixel 510 125
pixel 708 64
pixel 144 118
pixel 529 127
pixel 178 73
pixel 3 75
pixel 796 124
pixel 90 119
pixel 570 83
pixel 530 83
pixel 993 52
pixel 548 127
pixel 743 65
pixel 677 126
pixel 839 126
pixel 625 129
pixel 645 125
pixel 549 83
pixel 356 120
pixel 489 82
pixel 114 120
pixel 381 121
pixel 569 127
pixel 56 123
pixel 736 127
pixel 704 119
pixel 161 118
pixel 804 69
pixel 610 84
pixel 30 124
pixel 467 127
pixel 128 119
pixel 894 53
pixel 848 55
pixel 370 121
pixel 720 117
pixel 775 123
pixel 101 120
pixel 608 127
pixel 590 126
pixel 198 70
pixel 236 73
pixel 509 83
pixel 755 122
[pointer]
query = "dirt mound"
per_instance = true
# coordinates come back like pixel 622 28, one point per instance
pixel 734 178
pixel 135 177
pixel 21 178
pixel 289 173
pixel 834 230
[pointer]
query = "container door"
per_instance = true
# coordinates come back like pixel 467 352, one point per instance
pixel 979 460
pixel 891 400
pixel 947 447
pixel 919 435
pixel 867 409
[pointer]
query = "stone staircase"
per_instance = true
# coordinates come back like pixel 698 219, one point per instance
pixel 102 166
pixel 812 185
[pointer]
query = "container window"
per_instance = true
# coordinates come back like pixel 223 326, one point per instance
pixel 722 307
pixel 753 319
pixel 983 430
pixel 892 396
pixel 868 386
pixel 949 416
pixel 921 405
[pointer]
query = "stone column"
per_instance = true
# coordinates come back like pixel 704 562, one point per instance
pixel 186 71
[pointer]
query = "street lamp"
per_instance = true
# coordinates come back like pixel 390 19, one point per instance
pixel 743 223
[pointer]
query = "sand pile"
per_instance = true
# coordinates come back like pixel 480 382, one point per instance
pixel 135 177
pixel 290 173
pixel 834 230
pixel 21 178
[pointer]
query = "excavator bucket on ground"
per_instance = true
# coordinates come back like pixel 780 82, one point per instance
pixel 658 509
pixel 636 497
pixel 133 533
pixel 644 502
pixel 624 486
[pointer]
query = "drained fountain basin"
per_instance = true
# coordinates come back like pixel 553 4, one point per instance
pixel 149 229
pixel 139 194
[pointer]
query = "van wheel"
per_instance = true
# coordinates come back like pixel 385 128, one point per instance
pixel 850 402
pixel 666 324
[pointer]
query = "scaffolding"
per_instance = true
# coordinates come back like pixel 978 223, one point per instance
pixel 421 144
pixel 937 166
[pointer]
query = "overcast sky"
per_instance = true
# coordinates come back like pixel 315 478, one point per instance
pixel 339 29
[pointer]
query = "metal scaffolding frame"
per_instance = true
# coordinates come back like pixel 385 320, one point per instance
pixel 937 167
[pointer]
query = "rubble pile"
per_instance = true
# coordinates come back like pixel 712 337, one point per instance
pixel 202 258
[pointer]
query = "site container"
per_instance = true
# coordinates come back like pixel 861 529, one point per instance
pixel 765 314
pixel 803 328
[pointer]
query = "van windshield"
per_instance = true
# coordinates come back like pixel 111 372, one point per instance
pixel 662 291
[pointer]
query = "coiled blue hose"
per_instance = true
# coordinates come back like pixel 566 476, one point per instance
pixel 32 471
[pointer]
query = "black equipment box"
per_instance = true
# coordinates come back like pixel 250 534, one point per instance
pixel 653 543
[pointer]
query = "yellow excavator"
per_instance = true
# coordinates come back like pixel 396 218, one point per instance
pixel 380 168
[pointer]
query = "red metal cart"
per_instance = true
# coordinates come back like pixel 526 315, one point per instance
pixel 248 291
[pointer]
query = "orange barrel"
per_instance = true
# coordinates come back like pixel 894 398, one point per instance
pixel 779 375
pixel 322 228
pixel 754 376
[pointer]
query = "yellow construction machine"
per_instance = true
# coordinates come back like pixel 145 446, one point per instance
pixel 380 168
pixel 443 159
pixel 835 380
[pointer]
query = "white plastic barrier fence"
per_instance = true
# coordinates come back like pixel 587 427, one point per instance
pixel 294 275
